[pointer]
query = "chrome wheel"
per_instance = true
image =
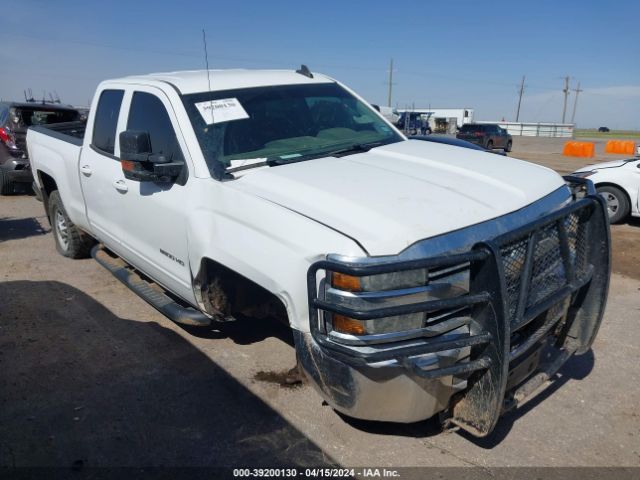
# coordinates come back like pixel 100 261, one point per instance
pixel 62 230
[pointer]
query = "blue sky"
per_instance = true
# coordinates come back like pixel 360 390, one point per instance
pixel 446 54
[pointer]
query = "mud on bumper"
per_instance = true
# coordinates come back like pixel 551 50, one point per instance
pixel 536 295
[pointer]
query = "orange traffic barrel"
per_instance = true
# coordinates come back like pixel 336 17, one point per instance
pixel 622 147
pixel 579 149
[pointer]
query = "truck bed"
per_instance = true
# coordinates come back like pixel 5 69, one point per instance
pixel 72 132
pixel 54 152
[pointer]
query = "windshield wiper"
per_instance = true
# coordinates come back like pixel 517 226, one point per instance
pixel 356 148
pixel 341 152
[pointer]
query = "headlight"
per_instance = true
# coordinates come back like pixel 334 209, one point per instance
pixel 583 174
pixel 379 283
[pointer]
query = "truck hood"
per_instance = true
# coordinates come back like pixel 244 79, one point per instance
pixel 392 196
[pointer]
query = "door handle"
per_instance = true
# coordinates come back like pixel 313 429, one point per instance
pixel 121 186
pixel 86 169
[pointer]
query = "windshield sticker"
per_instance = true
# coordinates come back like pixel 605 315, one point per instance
pixel 218 111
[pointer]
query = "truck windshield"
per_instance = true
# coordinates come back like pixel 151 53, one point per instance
pixel 281 124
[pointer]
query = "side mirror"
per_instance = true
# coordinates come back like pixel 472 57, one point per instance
pixel 139 164
pixel 135 146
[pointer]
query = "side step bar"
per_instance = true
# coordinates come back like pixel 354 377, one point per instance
pixel 152 295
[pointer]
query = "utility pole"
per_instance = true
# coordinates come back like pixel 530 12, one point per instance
pixel 520 99
pixel 575 103
pixel 565 90
pixel 390 82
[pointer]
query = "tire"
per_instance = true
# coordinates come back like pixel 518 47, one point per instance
pixel 70 241
pixel 617 203
pixel 490 145
pixel 6 185
pixel 508 147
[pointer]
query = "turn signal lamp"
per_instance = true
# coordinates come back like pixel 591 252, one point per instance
pixel 347 325
pixel 128 165
pixel 346 282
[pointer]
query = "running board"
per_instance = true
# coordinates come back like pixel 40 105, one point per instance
pixel 149 292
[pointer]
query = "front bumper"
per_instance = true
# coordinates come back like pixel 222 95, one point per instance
pixel 536 295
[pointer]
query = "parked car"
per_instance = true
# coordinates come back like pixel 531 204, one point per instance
pixel 603 129
pixel 455 142
pixel 488 136
pixel 619 183
pixel 416 279
pixel 15 118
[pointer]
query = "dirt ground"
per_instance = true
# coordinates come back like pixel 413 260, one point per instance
pixel 90 375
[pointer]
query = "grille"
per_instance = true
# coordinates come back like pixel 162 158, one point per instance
pixel 548 272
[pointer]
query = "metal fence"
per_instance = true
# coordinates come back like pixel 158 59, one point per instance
pixel 524 129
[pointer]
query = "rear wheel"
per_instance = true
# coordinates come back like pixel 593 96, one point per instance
pixel 617 203
pixel 6 184
pixel 70 241
pixel 508 147
pixel 490 145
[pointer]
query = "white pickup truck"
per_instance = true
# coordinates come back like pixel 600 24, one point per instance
pixel 418 278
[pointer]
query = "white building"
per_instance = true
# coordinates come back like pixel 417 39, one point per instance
pixel 462 115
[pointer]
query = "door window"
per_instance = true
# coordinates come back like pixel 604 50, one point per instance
pixel 147 114
pixel 106 120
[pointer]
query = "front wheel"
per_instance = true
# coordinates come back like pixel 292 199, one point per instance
pixel 490 145
pixel 617 203
pixel 70 241
pixel 508 147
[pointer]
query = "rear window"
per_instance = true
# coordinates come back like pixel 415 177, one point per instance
pixel 106 120
pixel 43 116
pixel 472 128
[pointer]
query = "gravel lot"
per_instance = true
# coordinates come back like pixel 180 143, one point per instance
pixel 90 375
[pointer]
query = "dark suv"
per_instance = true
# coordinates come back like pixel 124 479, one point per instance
pixel 486 135
pixel 15 119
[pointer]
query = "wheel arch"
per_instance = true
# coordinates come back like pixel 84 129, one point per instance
pixel 49 185
pixel 222 292
pixel 615 185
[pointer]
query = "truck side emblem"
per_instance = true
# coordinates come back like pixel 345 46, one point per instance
pixel 168 255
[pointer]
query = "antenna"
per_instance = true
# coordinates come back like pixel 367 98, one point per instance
pixel 57 96
pixel 25 95
pixel 304 70
pixel 206 58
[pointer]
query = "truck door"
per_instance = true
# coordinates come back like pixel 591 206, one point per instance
pixel 100 170
pixel 153 219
